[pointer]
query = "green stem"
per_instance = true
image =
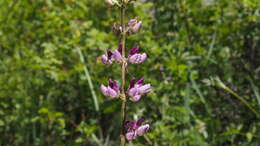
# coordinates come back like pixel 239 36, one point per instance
pixel 123 70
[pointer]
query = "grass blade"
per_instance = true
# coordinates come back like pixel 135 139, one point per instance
pixel 94 96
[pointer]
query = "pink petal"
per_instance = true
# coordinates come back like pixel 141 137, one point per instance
pixel 132 83
pixel 105 60
pixel 137 58
pixel 137 27
pixel 141 81
pixel 117 56
pixel 132 22
pixel 135 98
pixel 104 90
pixel 130 135
pixel 142 129
pixel 134 50
pixel 144 89
pixel 114 85
pixel 112 93
pixel 139 121
pixel 133 92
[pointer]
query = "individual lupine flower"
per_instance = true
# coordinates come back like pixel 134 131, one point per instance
pixel 134 25
pixel 135 128
pixel 112 90
pixel 107 59
pixel 117 54
pixel 136 89
pixel 135 57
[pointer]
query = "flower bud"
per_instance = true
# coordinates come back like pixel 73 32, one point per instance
pixel 134 25
pixel 111 2
pixel 126 1
pixel 117 29
pixel 137 27
pixel 132 22
pixel 105 60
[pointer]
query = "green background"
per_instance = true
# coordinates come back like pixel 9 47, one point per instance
pixel 198 51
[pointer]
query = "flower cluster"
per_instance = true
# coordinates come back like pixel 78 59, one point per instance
pixel 137 88
pixel 134 56
pixel 135 128
pixel 112 90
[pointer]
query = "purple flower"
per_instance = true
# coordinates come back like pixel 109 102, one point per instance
pixel 134 25
pixel 137 27
pixel 112 55
pixel 142 129
pixel 132 22
pixel 117 54
pixel 136 89
pixel 130 135
pixel 112 90
pixel 137 58
pixel 135 128
pixel 107 59
pixel 134 57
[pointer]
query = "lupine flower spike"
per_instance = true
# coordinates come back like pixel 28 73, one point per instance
pixel 112 90
pixel 134 57
pixel 130 129
pixel 135 128
pixel 136 89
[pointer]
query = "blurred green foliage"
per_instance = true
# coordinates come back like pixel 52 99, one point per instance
pixel 46 100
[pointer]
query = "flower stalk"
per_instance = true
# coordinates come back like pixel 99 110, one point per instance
pixel 130 130
pixel 123 70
